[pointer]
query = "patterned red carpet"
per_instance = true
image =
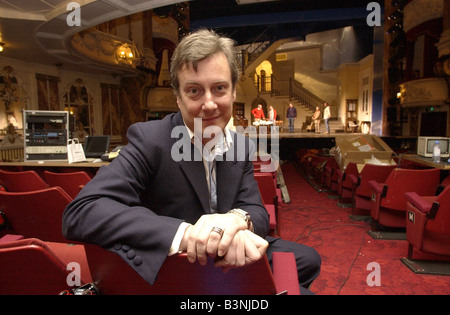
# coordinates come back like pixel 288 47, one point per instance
pixel 353 263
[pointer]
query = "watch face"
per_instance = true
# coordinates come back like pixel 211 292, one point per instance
pixel 242 213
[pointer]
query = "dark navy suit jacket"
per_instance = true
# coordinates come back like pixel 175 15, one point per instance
pixel 135 205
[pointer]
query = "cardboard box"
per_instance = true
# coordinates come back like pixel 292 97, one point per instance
pixel 361 149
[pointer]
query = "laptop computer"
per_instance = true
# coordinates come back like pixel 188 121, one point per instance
pixel 96 146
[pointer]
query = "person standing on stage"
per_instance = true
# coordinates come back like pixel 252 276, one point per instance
pixel 326 116
pixel 258 113
pixel 291 115
pixel 272 117
pixel 316 118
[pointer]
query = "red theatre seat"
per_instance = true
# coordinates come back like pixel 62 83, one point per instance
pixel 271 197
pixel 361 190
pixel 273 223
pixel 21 181
pixel 320 169
pixel 331 175
pixel 269 191
pixel 72 182
pixel 446 181
pixel 345 181
pixel 388 206
pixel 428 223
pixel 34 267
pixel 112 275
pixel 35 214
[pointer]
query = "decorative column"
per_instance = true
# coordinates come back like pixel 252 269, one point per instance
pixel 443 65
pixel 394 50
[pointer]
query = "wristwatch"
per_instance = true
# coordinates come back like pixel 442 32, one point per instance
pixel 244 215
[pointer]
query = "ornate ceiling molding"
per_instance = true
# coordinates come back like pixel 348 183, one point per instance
pixel 56 36
pixel 421 11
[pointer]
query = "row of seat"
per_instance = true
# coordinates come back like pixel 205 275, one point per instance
pixel 265 173
pixel 36 259
pixel 411 198
pixel 32 206
pixel 30 266
pixel 61 188
pixel 70 182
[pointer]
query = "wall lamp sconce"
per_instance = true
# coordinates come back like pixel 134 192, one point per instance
pixel 125 53
pixel 2 47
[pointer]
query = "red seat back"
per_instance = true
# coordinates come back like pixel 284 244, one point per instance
pixel 352 168
pixel 401 181
pixel 446 181
pixel 29 266
pixel 378 173
pixel 178 277
pixel 428 223
pixel 331 168
pixel 266 186
pixel 36 214
pixel 441 223
pixel 22 181
pixel 70 182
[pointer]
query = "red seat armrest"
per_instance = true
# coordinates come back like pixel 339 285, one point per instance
pixel 421 204
pixel 10 238
pixel 285 273
pixel 353 179
pixel 377 187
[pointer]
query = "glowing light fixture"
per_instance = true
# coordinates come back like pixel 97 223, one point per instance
pixel 125 53
pixel 2 47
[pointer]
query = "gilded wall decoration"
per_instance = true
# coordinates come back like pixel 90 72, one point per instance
pixel 13 99
pixel 80 104
pixel 420 11
pixel 48 92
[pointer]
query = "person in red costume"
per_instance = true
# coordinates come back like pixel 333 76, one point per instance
pixel 258 113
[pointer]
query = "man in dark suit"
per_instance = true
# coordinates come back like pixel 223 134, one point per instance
pixel 184 183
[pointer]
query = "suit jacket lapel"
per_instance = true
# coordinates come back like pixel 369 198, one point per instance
pixel 228 177
pixel 195 173
pixel 192 168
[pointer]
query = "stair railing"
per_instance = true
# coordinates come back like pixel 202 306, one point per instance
pixel 294 90
pixel 257 47
pixel 304 96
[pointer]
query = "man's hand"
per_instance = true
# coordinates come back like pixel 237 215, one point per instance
pixel 232 248
pixel 245 249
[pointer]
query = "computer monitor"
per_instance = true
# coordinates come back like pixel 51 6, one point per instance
pixel 96 146
pixel 425 146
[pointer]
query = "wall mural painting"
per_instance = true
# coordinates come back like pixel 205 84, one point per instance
pixel 48 92
pixel 79 103
pixel 13 100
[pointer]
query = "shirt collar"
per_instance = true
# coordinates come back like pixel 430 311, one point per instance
pixel 224 143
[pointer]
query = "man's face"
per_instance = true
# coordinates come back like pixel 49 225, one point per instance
pixel 207 93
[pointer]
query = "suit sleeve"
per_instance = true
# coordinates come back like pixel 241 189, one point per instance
pixel 248 195
pixel 251 202
pixel 107 211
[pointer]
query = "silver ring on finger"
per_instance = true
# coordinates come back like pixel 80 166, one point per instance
pixel 217 230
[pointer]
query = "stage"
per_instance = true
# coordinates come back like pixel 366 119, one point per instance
pixel 289 143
